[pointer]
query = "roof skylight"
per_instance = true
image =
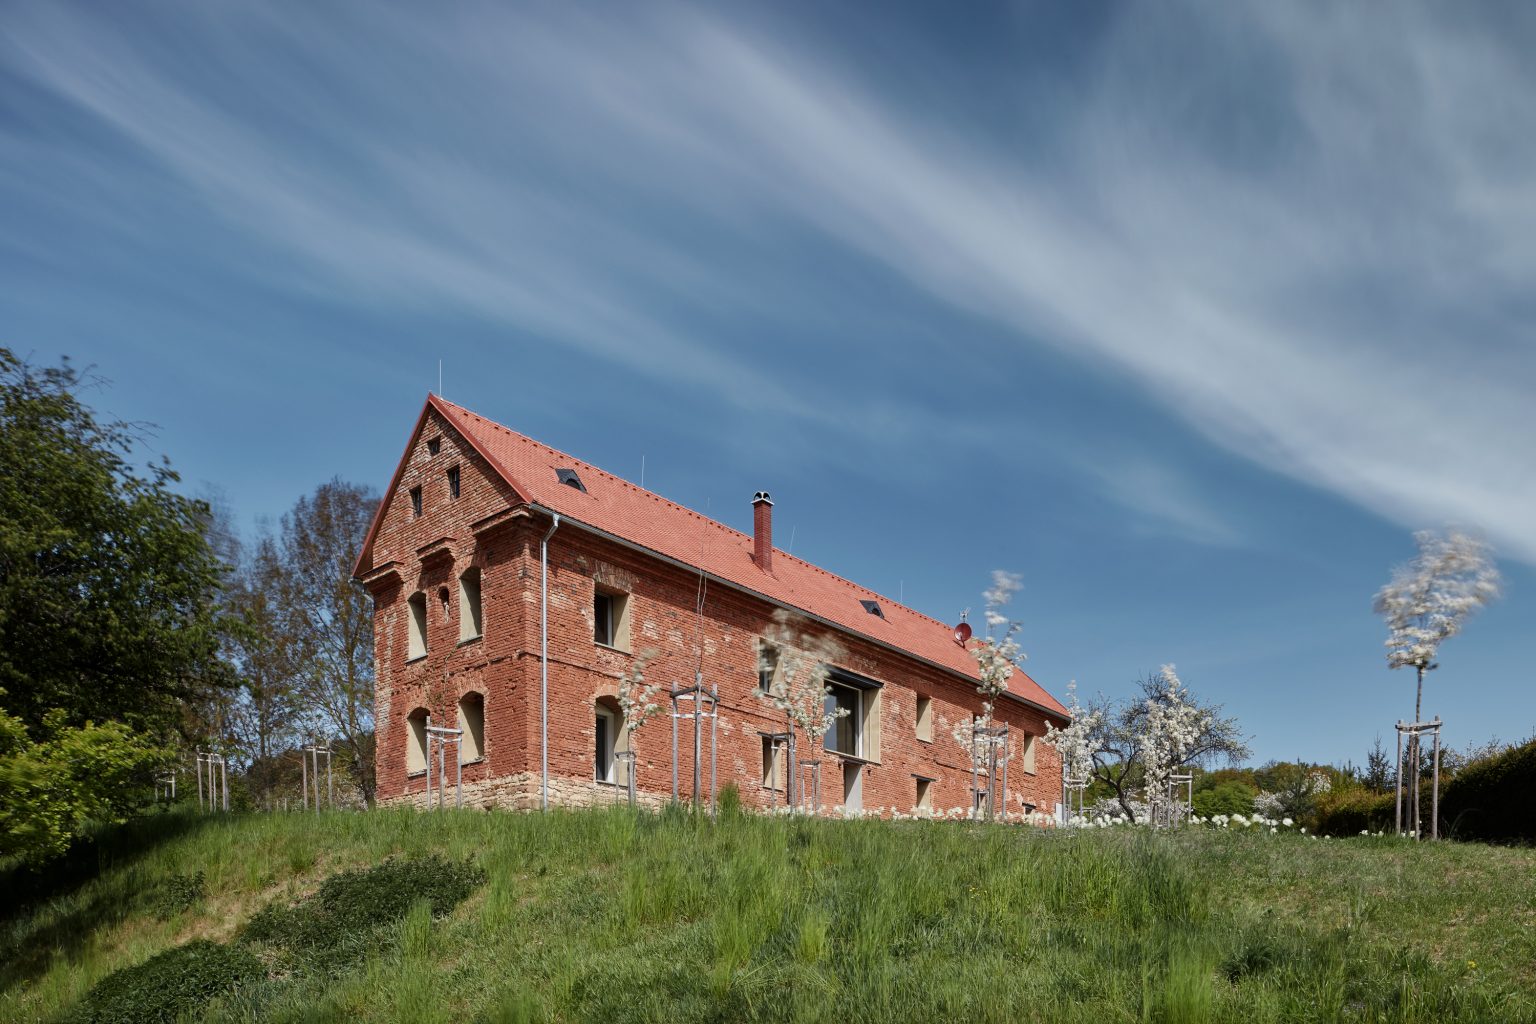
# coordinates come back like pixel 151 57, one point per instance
pixel 570 479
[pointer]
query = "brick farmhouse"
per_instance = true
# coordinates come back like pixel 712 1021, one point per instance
pixel 502 570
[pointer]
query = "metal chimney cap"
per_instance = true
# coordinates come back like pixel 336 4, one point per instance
pixel 761 496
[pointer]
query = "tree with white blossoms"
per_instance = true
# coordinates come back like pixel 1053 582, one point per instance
pixel 997 656
pixel 802 662
pixel 1074 744
pixel 1425 604
pixel 637 705
pixel 1140 742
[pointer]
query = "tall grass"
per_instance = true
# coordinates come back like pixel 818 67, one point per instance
pixel 612 916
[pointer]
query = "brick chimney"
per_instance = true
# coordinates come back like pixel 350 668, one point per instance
pixel 762 531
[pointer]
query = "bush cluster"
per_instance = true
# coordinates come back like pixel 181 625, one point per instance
pixel 340 920
pixel 176 894
pixel 1348 812
pixel 168 985
pixel 1494 798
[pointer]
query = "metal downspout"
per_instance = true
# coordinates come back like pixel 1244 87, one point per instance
pixel 544 664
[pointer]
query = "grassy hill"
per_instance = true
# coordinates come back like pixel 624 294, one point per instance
pixel 606 916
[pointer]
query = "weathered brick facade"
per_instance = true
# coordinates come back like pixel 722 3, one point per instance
pixel 493 528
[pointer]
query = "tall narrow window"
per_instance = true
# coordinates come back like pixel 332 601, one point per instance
pixel 416 501
pixel 1029 753
pixel 770 763
pixel 605 733
pixel 925 719
pixel 847 729
pixel 472 722
pixel 453 482
pixel 416 625
pixel 610 618
pixel 924 799
pixel 469 605
pixel 767 666
pixel 416 742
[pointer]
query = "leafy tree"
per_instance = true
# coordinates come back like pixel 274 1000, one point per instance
pixel 56 778
pixel 1225 798
pixel 1179 730
pixel 322 622
pixel 108 587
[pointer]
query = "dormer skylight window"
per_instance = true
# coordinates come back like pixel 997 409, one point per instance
pixel 570 479
pixel 873 607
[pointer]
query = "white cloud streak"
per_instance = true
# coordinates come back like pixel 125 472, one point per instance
pixel 1331 282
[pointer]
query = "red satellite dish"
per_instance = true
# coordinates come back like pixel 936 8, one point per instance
pixel 962 632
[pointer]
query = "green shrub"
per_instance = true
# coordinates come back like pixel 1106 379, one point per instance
pixel 730 801
pixel 1225 798
pixel 166 986
pixel 1349 812
pixel 1494 798
pixel 344 916
pixel 176 894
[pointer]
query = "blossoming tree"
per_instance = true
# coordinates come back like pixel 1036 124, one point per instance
pixel 797 688
pixel 1074 744
pixel 637 705
pixel 1425 604
pixel 1136 744
pixel 996 658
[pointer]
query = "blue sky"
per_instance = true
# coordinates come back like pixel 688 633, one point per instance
pixel 1189 313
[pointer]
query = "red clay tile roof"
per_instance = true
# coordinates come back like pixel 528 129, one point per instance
pixel 618 507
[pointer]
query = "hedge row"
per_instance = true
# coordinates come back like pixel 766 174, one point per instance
pixel 1494 798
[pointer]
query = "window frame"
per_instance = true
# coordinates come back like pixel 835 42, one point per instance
pixel 454 481
pixel 616 620
pixel 471 605
pixel 922 718
pixel 416 501
pixel 416 647
pixel 608 750
pixel 472 730
pixel 416 742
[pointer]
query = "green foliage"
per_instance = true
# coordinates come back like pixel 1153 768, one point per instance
pixel 342 920
pixel 1494 798
pixel 729 801
pixel 1348 812
pixel 168 985
pixel 177 893
pixel 56 779
pixel 107 584
pixel 1225 798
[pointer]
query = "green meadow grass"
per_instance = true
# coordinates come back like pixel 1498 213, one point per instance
pixel 614 917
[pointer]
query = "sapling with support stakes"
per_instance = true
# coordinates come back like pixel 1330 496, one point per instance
pixel 211 765
pixel 997 657
pixel 1075 746
pixel 637 705
pixel 696 703
pixel 438 740
pixel 793 669
pixel 310 775
pixel 1425 604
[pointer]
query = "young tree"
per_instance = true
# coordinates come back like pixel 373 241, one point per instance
pixel 798 687
pixel 997 656
pixel 324 623
pixel 1426 603
pixel 637 705
pixel 1378 768
pixel 1180 730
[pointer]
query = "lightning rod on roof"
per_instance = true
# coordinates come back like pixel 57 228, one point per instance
pixel 439 378
pixel 642 469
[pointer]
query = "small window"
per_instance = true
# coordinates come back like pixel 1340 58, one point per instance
pixel 924 797
pixel 416 501
pixel 472 722
pixel 469 605
pixel 770 762
pixel 434 445
pixel 610 618
pixel 925 719
pixel 570 479
pixel 767 666
pixel 416 624
pixel 416 742
pixel 453 482
pixel 1028 752
pixel 605 734
pixel 873 607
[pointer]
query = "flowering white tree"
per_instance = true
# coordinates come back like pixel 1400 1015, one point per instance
pixel 1428 599
pixel 1425 604
pixel 1074 744
pixel 637 705
pixel 798 688
pixel 997 656
pixel 1163 729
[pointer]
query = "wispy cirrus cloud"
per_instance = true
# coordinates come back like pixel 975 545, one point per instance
pixel 1307 232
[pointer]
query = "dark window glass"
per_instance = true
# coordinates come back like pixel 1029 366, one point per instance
pixel 602 618
pixel 453 482
pixel 843 737
pixel 416 501
pixel 434 446
pixel 603 756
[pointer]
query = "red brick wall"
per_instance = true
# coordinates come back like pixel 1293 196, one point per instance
pixel 504 664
